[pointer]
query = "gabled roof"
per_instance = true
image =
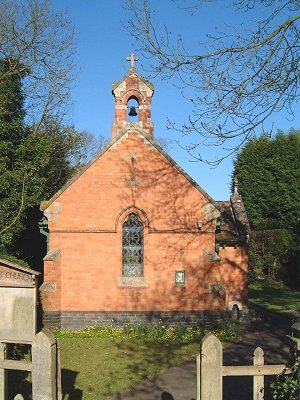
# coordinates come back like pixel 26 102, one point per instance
pixel 130 127
pixel 234 226
pixel 18 267
pixel 130 72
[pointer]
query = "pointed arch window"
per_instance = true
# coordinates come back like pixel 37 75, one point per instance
pixel 132 246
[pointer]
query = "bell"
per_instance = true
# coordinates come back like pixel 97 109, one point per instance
pixel 132 112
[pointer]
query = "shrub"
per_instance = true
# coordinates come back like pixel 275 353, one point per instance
pixel 270 252
pixel 287 387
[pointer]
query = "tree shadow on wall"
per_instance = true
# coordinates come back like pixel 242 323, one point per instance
pixel 170 210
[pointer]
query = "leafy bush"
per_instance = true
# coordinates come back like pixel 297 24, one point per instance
pixel 287 387
pixel 270 252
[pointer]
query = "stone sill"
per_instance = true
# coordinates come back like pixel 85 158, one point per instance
pixel 132 281
pixel 48 287
pixel 52 255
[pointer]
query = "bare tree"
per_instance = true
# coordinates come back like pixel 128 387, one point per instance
pixel 165 143
pixel 89 145
pixel 38 43
pixel 16 212
pixel 236 81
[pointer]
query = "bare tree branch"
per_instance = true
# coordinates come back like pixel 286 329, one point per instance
pixel 38 42
pixel 18 212
pixel 237 81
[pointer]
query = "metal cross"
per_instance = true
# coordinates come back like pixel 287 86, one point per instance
pixel 132 59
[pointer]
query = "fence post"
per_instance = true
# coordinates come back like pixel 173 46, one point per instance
pixel 59 388
pixel 44 366
pixel 3 373
pixel 198 363
pixel 258 381
pixel 211 360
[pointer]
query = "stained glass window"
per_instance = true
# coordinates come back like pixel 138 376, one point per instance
pixel 133 243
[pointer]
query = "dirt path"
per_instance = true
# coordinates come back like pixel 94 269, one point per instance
pixel 179 382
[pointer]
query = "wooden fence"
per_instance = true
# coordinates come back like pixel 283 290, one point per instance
pixel 44 367
pixel 210 370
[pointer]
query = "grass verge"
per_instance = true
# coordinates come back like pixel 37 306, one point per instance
pixel 273 296
pixel 99 361
pixel 96 367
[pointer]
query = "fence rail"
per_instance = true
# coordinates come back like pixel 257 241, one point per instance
pixel 45 368
pixel 253 370
pixel 210 370
pixel 16 365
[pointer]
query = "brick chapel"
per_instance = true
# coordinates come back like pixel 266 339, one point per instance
pixel 133 238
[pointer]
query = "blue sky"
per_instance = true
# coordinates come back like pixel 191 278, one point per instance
pixel 102 47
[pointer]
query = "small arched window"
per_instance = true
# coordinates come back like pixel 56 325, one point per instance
pixel 132 246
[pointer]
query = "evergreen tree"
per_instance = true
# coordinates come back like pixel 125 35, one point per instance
pixel 268 172
pixel 34 163
pixel 13 182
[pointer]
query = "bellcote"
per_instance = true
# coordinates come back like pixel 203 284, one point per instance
pixel 132 91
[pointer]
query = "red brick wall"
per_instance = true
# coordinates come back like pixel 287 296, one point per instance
pixel 88 232
pixel 234 273
pixel 133 87
pixel 51 299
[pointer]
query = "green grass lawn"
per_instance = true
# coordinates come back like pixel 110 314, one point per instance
pixel 273 297
pixel 94 368
pixel 97 362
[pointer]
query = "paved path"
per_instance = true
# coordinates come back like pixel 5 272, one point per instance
pixel 179 382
